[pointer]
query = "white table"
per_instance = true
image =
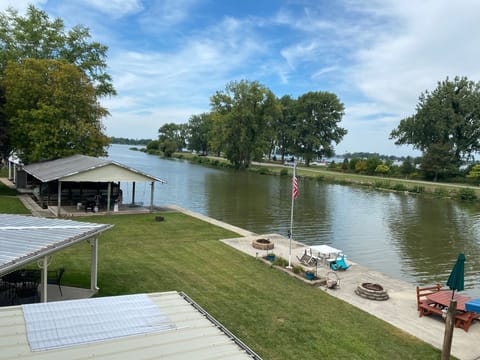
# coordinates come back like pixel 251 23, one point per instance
pixel 325 252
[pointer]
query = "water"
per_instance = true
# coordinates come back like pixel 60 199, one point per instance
pixel 415 238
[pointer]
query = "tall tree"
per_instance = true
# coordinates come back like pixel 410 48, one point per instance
pixel 242 114
pixel 284 125
pixel 171 138
pixel 438 160
pixel 36 36
pixel 317 118
pixel 52 110
pixel 200 127
pixel 448 119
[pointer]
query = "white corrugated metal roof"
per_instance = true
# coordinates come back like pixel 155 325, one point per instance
pixel 24 239
pixel 193 335
pixel 66 169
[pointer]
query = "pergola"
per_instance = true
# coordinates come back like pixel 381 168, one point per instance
pixel 87 169
pixel 25 239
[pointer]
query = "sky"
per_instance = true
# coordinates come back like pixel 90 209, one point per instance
pixel 167 58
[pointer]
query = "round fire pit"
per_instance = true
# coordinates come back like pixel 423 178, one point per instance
pixel 371 291
pixel 262 244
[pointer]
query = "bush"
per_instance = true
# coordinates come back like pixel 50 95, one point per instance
pixel 280 262
pixel 399 187
pixel 284 172
pixel 466 194
pixel 264 171
pixel 440 192
pixel 297 269
pixel 417 189
pixel 320 178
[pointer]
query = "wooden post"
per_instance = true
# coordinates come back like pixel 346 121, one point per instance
pixel 449 324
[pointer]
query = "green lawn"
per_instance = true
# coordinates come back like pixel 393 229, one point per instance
pixel 12 205
pixel 278 316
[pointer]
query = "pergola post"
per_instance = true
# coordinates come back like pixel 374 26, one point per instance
pixel 151 195
pixel 94 264
pixel 59 198
pixel 44 279
pixel 133 193
pixel 109 190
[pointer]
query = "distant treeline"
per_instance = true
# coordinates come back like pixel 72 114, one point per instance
pixel 366 155
pixel 125 141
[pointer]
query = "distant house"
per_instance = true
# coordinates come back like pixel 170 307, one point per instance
pixel 79 181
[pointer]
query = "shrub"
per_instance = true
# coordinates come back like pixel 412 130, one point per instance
pixel 297 269
pixel 399 187
pixel 417 189
pixel 280 262
pixel 320 178
pixel 440 192
pixel 284 172
pixel 264 171
pixel 466 194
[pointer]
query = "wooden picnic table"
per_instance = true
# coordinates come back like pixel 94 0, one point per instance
pixel 441 300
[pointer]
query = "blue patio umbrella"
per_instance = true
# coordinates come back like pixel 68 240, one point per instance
pixel 455 280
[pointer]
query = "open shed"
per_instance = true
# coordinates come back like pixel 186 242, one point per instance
pixel 81 180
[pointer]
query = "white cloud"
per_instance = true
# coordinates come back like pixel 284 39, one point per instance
pixel 394 70
pixel 116 8
pixel 20 5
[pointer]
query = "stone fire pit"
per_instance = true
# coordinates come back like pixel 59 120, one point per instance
pixel 371 291
pixel 263 244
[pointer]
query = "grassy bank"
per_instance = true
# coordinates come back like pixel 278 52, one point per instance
pixel 277 315
pixel 444 190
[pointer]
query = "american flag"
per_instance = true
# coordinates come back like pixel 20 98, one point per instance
pixel 295 188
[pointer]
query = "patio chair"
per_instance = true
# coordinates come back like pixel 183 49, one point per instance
pixel 26 291
pixel 54 277
pixel 307 259
pixel 339 264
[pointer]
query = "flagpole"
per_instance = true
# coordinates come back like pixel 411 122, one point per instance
pixel 290 233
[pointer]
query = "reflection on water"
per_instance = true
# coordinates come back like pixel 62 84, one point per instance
pixel 413 238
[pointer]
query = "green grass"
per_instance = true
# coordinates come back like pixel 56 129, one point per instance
pixel 5 190
pixel 278 316
pixel 12 205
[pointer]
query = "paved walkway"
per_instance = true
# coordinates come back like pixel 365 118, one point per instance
pixel 400 309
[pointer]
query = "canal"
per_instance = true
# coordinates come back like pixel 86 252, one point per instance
pixel 415 238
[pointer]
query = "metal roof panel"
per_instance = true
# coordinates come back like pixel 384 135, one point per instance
pixel 195 336
pixel 84 168
pixel 26 238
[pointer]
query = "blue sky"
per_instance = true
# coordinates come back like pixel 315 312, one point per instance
pixel 168 57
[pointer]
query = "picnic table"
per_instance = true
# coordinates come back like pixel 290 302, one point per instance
pixel 325 252
pixel 440 300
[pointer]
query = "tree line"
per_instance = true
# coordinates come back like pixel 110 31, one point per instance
pixel 247 121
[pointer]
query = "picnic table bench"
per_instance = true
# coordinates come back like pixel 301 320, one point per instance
pixel 434 300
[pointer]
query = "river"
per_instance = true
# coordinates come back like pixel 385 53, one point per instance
pixel 415 238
